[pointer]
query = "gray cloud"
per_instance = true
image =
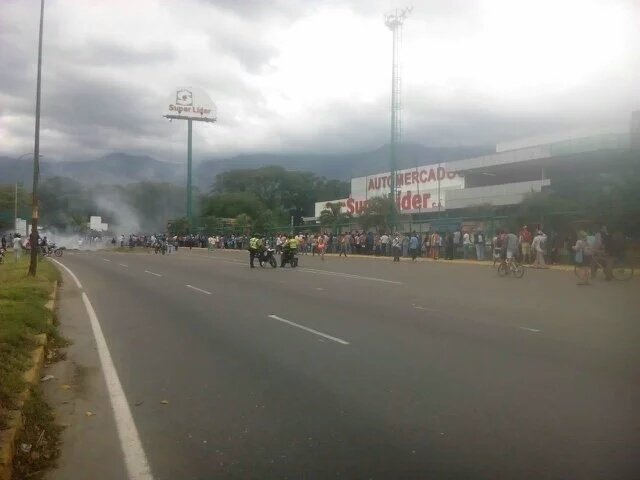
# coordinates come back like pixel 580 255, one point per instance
pixel 106 81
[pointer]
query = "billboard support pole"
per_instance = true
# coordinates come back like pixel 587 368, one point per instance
pixel 189 181
pixel 207 115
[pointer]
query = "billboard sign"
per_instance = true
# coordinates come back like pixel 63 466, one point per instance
pixel 190 103
pixel 419 189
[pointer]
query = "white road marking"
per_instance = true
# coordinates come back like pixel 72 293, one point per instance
pixel 123 265
pixel 293 324
pixel 534 330
pixel 198 289
pixel 134 457
pixel 106 260
pixel 347 275
pixel 417 307
pixel 73 275
pixel 151 273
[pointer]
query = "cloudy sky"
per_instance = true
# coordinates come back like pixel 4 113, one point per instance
pixel 312 75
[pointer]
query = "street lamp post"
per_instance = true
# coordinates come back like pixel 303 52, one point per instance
pixel 33 264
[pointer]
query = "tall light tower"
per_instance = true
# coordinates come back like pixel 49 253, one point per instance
pixel 394 21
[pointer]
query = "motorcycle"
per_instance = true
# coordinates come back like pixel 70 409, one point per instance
pixel 160 247
pixel 268 256
pixel 289 256
pixel 53 248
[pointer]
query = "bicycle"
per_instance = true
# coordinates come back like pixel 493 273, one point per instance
pixel 620 269
pixel 511 266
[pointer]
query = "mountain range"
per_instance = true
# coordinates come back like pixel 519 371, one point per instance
pixel 122 168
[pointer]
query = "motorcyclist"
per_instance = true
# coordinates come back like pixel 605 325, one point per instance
pixel 255 247
pixel 289 248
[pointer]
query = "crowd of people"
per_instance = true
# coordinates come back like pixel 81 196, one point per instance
pixel 531 246
pixel 18 243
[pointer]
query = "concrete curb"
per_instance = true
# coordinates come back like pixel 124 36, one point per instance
pixel 31 377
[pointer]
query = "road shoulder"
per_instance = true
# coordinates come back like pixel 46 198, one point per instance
pixel 78 393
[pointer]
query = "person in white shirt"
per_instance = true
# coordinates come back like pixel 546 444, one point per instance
pixel 17 247
pixel 538 246
pixel 384 241
pixel 466 245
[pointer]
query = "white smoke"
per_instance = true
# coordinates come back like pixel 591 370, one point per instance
pixel 125 221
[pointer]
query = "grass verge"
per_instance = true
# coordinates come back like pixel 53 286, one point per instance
pixel 38 445
pixel 22 315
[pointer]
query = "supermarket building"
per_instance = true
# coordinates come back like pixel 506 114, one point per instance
pixel 498 179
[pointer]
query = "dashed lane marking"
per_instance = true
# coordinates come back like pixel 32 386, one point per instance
pixel 311 330
pixel 198 289
pixel 152 273
pixel 347 275
pixel 418 307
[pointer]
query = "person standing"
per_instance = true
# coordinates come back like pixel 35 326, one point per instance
pixel 384 241
pixel 254 249
pixel 17 247
pixel 525 244
pixel 449 246
pixel 321 246
pixel 466 245
pixel 396 247
pixel 413 246
pixel 457 239
pixel 538 245
pixel 4 242
pixel 582 258
pixel 343 245
pixel 436 243
pixel 478 239
pixel 377 245
pixel 405 245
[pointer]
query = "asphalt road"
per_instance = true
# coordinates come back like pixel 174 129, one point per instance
pixel 365 369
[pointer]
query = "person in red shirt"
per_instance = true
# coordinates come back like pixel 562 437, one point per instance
pixel 525 238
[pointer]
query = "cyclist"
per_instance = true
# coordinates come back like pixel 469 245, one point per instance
pixel 602 251
pixel 511 247
pixel 582 258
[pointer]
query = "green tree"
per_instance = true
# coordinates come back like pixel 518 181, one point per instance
pixel 178 226
pixel 243 223
pixel 232 204
pixel 7 204
pixel 293 192
pixel 332 217
pixel 376 213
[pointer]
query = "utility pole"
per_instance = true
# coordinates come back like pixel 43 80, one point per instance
pixel 33 264
pixel 394 22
